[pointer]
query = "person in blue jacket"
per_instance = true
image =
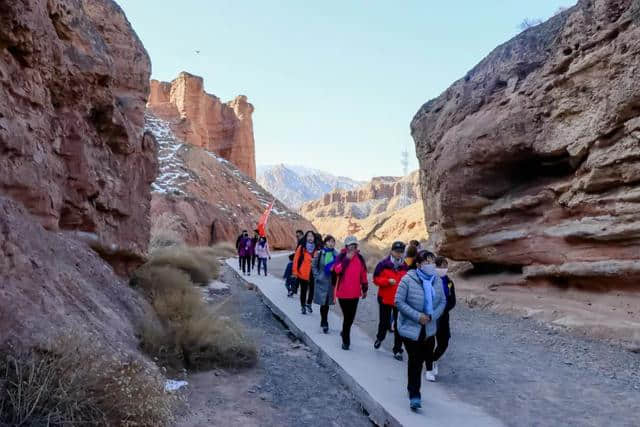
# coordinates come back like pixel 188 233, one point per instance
pixel 290 282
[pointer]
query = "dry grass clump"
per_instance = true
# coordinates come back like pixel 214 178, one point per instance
pixel 372 255
pixel 187 331
pixel 224 249
pixel 201 264
pixel 165 232
pixel 78 381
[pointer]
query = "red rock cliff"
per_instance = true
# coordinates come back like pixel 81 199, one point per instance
pixel 532 159
pixel 201 119
pixel 73 86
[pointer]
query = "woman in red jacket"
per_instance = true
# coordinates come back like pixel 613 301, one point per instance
pixel 386 276
pixel 352 283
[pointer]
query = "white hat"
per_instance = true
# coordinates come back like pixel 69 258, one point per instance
pixel 350 240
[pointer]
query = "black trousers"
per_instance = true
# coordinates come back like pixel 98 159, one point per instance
pixel 324 315
pixel 306 291
pixel 349 307
pixel 442 337
pixel 385 325
pixel 420 352
pixel 253 261
pixel 262 262
pixel 245 264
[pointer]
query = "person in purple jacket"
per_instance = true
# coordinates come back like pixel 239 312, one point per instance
pixel 245 252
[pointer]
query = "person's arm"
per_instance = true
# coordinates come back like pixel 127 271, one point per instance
pixel 266 246
pixel 438 308
pixel 295 262
pixel 401 302
pixel 452 296
pixel 364 280
pixel 381 279
pixel 341 265
pixel 315 268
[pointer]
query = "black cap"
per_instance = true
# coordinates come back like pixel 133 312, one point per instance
pixel 397 246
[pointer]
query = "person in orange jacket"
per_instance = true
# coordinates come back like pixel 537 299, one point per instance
pixel 302 269
pixel 386 276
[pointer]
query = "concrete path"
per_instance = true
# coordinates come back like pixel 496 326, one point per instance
pixel 378 380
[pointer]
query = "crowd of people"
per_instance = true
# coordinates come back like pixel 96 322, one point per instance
pixel 415 294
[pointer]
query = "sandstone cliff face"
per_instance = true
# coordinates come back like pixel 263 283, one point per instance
pixel 532 159
pixel 201 119
pixel 73 86
pixel 200 189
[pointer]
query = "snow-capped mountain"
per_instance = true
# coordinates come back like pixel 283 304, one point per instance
pixel 294 185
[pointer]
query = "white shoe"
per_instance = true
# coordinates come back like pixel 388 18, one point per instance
pixel 430 376
pixel 435 368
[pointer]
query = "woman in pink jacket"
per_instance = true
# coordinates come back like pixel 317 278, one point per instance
pixel 352 284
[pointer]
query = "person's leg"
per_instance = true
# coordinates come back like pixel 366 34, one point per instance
pixel 303 292
pixel 383 323
pixel 349 316
pixel 259 265
pixel 442 339
pixel 397 339
pixel 344 306
pixel 253 261
pixel 427 351
pixel 414 368
pixel 242 264
pixel 324 315
pixel 248 261
pixel 265 266
pixel 312 287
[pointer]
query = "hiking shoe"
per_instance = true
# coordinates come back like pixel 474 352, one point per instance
pixel 429 376
pixel 325 329
pixel 304 310
pixel 397 356
pixel 435 368
pixel 289 294
pixel 415 403
pixel 309 308
pixel 377 344
pixel 345 346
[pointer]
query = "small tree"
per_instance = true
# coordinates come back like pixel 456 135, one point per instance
pixel 528 23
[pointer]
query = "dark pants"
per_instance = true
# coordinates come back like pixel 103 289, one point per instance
pixel 386 311
pixel 245 264
pixel 420 352
pixel 263 262
pixel 324 315
pixel 349 307
pixel 306 286
pixel 442 337
pixel 253 261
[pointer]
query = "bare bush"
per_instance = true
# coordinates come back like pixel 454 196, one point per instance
pixel 529 22
pixel 224 249
pixel 201 264
pixel 165 232
pixel 78 381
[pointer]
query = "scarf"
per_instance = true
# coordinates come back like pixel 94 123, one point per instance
pixel 429 293
pixel 328 256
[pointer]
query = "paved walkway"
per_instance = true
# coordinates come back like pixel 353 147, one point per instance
pixel 378 380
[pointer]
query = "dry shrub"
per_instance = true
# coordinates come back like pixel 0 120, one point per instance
pixel 189 333
pixel 78 381
pixel 201 264
pixel 372 255
pixel 224 249
pixel 165 232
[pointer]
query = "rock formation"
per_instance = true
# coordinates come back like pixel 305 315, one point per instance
pixel 532 160
pixel 73 86
pixel 201 119
pixel 378 209
pixel 201 189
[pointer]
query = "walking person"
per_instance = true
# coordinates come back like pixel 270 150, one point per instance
pixel 254 243
pixel 351 285
pixel 324 279
pixel 240 237
pixel 244 252
pixel 299 236
pixel 387 276
pixel 262 253
pixel 302 270
pixel 444 330
pixel 420 301
pixel 290 282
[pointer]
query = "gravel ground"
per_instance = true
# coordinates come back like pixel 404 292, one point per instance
pixel 287 388
pixel 526 373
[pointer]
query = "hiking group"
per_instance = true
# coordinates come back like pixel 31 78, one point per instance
pixel 415 295
pixel 251 249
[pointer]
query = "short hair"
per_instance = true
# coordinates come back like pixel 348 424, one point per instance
pixel 440 261
pixel 425 256
pixel 412 252
pixel 327 238
pixel 414 243
pixel 299 232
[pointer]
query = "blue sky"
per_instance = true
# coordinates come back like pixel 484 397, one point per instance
pixel 334 83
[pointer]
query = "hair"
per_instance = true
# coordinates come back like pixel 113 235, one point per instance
pixel 327 238
pixel 412 252
pixel 299 231
pixel 440 261
pixel 425 256
pixel 414 243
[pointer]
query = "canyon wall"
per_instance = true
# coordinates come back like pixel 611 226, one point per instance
pixel 201 119
pixel 532 160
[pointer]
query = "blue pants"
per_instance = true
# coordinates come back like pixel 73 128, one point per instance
pixel 262 262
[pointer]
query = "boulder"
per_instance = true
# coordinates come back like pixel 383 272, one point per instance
pixel 532 160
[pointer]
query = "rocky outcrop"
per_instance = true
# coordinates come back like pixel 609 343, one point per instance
pixel 73 86
pixel 532 160
pixel 201 119
pixel 202 190
pixel 378 212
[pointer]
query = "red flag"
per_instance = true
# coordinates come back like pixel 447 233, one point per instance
pixel 262 222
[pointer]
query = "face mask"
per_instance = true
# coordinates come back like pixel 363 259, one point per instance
pixel 429 269
pixel 441 271
pixel 310 247
pixel 396 261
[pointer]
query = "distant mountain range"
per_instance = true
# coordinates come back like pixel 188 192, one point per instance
pixel 293 185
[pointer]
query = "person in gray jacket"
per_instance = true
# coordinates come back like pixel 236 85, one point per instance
pixel 420 301
pixel 325 279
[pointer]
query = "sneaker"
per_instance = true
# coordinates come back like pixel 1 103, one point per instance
pixel 435 368
pixel 325 329
pixel 429 376
pixel 377 344
pixel 397 356
pixel 345 346
pixel 309 309
pixel 289 294
pixel 304 310
pixel 415 403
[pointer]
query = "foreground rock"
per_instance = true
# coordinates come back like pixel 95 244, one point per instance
pixel 201 119
pixel 204 191
pixel 73 86
pixel 531 160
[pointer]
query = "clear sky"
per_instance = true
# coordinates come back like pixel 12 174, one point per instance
pixel 335 83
